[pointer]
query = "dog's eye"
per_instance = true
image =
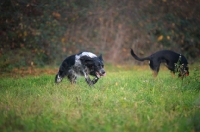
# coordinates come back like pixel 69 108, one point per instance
pixel 101 65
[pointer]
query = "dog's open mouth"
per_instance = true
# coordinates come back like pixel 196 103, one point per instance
pixel 187 74
pixel 183 74
pixel 98 74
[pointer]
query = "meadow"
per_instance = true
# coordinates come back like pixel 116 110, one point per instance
pixel 127 99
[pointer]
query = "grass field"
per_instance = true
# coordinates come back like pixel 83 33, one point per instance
pixel 128 99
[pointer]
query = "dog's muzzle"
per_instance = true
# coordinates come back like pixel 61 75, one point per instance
pixel 184 73
pixel 187 73
pixel 100 73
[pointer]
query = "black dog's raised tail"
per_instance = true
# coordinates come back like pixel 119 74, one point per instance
pixel 137 58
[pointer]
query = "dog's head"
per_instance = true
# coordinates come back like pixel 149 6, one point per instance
pixel 184 71
pixel 95 65
pixel 182 66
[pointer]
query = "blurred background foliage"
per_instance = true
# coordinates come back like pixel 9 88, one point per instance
pixel 45 32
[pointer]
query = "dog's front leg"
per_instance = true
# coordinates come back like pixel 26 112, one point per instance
pixel 87 79
pixel 95 80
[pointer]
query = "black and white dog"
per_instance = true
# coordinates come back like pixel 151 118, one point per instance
pixel 82 64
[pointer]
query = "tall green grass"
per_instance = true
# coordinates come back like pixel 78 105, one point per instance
pixel 124 100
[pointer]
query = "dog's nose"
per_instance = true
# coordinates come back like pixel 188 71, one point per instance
pixel 103 72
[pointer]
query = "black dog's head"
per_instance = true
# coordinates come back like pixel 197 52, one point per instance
pixel 184 71
pixel 95 65
pixel 182 67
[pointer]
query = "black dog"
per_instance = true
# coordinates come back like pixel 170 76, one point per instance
pixel 82 64
pixel 170 58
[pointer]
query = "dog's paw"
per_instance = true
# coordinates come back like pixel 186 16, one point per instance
pixel 95 80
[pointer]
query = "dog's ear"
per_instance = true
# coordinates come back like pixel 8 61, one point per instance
pixel 100 57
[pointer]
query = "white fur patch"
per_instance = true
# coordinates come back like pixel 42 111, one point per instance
pixel 86 54
pixel 59 79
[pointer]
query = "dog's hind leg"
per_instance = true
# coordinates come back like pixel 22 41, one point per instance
pixel 61 73
pixel 155 68
pixel 71 76
pixel 58 78
pixel 155 73
pixel 172 73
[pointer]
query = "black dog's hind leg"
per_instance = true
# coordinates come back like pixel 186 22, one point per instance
pixel 155 66
pixel 172 73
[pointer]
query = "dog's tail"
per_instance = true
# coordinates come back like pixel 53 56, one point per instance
pixel 137 58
